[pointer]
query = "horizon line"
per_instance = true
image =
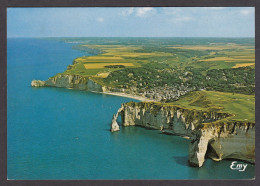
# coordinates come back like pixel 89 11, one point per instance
pixel 132 37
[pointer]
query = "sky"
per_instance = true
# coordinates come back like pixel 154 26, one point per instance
pixel 132 22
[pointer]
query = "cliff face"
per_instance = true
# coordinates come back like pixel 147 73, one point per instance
pixel 216 139
pixel 38 83
pixel 84 83
pixel 170 118
pixel 223 141
pixel 81 83
pixel 69 81
pixel 114 125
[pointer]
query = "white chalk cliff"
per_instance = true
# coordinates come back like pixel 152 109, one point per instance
pixel 69 81
pixel 210 135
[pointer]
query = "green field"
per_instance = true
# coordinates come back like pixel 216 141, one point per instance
pixel 202 53
pixel 203 57
pixel 112 55
pixel 240 105
pixel 219 64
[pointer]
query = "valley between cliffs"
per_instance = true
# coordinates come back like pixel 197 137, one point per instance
pixel 211 133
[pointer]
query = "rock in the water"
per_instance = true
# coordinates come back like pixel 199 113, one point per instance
pixel 37 83
pixel 114 125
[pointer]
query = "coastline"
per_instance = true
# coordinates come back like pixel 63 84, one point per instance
pixel 140 98
pixel 174 159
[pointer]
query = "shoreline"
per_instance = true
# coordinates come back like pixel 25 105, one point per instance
pixel 140 98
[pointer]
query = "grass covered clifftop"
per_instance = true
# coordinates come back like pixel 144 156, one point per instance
pixel 241 106
pixel 237 107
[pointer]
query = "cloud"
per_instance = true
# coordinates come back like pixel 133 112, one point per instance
pixel 128 11
pixel 100 19
pixel 245 12
pixel 181 19
pixel 139 12
pixel 172 10
pixel 179 14
pixel 214 8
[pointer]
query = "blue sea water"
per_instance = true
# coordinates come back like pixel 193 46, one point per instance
pixel 56 133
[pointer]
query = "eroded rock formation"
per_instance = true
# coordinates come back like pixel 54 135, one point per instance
pixel 69 81
pixel 114 124
pixel 220 140
pixel 210 135
pixel 38 83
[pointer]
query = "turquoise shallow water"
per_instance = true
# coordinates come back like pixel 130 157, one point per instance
pixel 56 133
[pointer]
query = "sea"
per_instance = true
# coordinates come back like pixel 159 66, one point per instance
pixel 63 134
